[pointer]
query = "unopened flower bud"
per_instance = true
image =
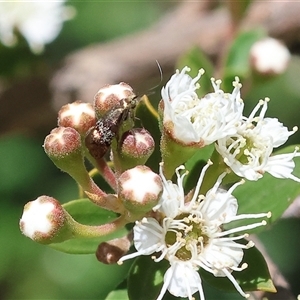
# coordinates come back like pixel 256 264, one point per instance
pixel 78 115
pixel 140 189
pixel 110 96
pixel 44 221
pixel 111 251
pixel 63 146
pixel 137 146
pixel 269 57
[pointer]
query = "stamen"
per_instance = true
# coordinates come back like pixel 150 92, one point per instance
pixel 167 281
pixel 199 183
pixel 234 282
pixel 216 84
pixel 128 256
pixel 250 216
pixel 264 108
pixel 241 268
pixel 256 108
pixel 250 244
pixel 163 178
pixel 234 238
pixel 237 86
pixel 233 187
pixel 194 81
pixel 241 228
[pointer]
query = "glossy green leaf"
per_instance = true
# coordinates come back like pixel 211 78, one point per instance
pixel 86 212
pixel 237 62
pixel 117 295
pixel 267 194
pixel 145 278
pixel 255 277
pixel 197 59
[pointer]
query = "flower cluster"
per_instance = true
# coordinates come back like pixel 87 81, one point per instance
pixel 190 235
pixel 193 229
pixel 245 143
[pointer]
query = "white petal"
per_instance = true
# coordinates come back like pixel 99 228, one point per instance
pixel 219 207
pixel 183 280
pixel 279 133
pixel 220 257
pixel 184 131
pixel 282 166
pixel 148 236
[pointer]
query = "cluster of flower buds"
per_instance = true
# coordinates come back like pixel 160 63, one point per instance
pixel 188 229
pixel 90 131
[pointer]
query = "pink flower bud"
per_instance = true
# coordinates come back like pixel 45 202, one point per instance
pixel 78 115
pixel 62 142
pixel 43 219
pixel 110 96
pixel 63 146
pixel 269 57
pixel 137 143
pixel 140 189
pixel 137 146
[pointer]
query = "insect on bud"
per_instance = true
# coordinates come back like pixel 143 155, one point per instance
pixel 99 137
pixel 110 96
pixel 78 115
pixel 140 189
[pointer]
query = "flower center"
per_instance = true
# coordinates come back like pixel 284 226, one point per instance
pixel 188 235
pixel 248 149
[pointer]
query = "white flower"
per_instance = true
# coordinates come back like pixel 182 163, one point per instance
pixel 193 120
pixel 38 21
pixel 269 56
pixel 190 236
pixel 248 152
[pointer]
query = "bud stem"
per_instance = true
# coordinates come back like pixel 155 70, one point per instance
pixel 83 178
pixel 89 231
pixel 103 168
pixel 107 173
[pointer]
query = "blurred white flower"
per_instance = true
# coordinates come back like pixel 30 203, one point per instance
pixel 38 21
pixel 269 56
pixel 248 152
pixel 191 236
pixel 189 119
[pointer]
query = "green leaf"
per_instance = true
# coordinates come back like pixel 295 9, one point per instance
pixel 267 194
pixel 196 59
pixel 145 278
pixel 237 62
pixel 255 277
pixel 195 164
pixel 117 295
pixel 86 212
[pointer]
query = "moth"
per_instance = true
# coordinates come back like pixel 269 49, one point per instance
pixel 99 138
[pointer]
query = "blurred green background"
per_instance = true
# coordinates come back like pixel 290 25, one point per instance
pixel 32 271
